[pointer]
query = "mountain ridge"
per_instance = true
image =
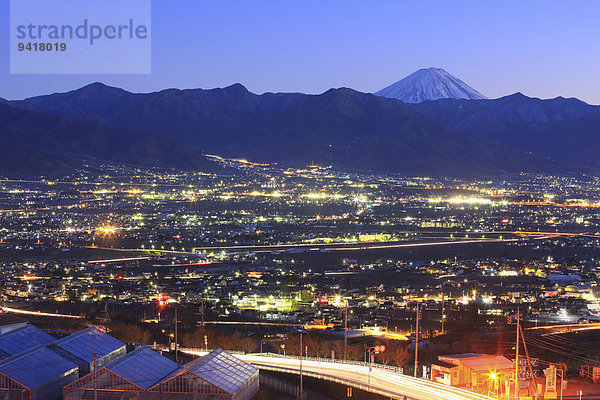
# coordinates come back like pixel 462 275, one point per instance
pixel 347 129
pixel 39 143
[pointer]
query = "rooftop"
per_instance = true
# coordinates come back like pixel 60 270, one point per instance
pixel 85 343
pixel 35 367
pixel 465 355
pixel 444 364
pixel 221 369
pixel 143 367
pixel 22 339
pixel 490 363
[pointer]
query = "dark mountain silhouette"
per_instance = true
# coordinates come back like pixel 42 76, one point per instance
pixel 38 143
pixel 527 124
pixel 199 117
pixel 345 128
pixel 574 143
pixel 516 111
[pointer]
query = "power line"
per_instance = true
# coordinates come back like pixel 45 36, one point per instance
pixel 558 350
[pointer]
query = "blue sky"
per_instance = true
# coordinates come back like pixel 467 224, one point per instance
pixel 541 48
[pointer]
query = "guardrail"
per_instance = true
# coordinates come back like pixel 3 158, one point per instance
pixel 384 367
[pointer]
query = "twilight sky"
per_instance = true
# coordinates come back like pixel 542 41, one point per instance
pixel 541 48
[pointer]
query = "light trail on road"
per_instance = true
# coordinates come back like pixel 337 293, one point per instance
pixel 112 260
pixel 327 247
pixel 424 244
pixel 568 328
pixel 381 381
pixel 39 313
pixel 349 246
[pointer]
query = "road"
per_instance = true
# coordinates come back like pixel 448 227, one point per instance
pixel 307 247
pixel 317 247
pixel 560 329
pixel 38 313
pixel 384 382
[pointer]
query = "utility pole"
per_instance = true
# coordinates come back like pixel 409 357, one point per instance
pixel 443 313
pixel 345 331
pixel 300 392
pixel 106 315
pixel 529 364
pixel 417 340
pixel 517 355
pixel 176 357
pixel 95 376
pixel 202 313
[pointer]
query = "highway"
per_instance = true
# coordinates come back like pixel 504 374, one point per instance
pixel 383 381
pixel 568 328
pixel 316 247
pixel 38 313
pixel 307 247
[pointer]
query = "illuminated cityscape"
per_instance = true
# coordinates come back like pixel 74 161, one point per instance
pixel 265 253
pixel 299 200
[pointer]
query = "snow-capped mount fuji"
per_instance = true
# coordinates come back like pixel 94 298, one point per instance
pixel 429 84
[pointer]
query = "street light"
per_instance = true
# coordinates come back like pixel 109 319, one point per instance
pixel 494 382
pixel 283 348
pixel 372 351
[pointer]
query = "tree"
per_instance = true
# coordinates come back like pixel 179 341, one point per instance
pixel 242 342
pixel 314 345
pixel 130 332
pixel 196 338
pixel 400 355
pixel 338 347
pixel 292 345
pixel 356 352
pixel 387 356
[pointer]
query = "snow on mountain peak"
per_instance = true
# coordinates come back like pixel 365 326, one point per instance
pixel 429 84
